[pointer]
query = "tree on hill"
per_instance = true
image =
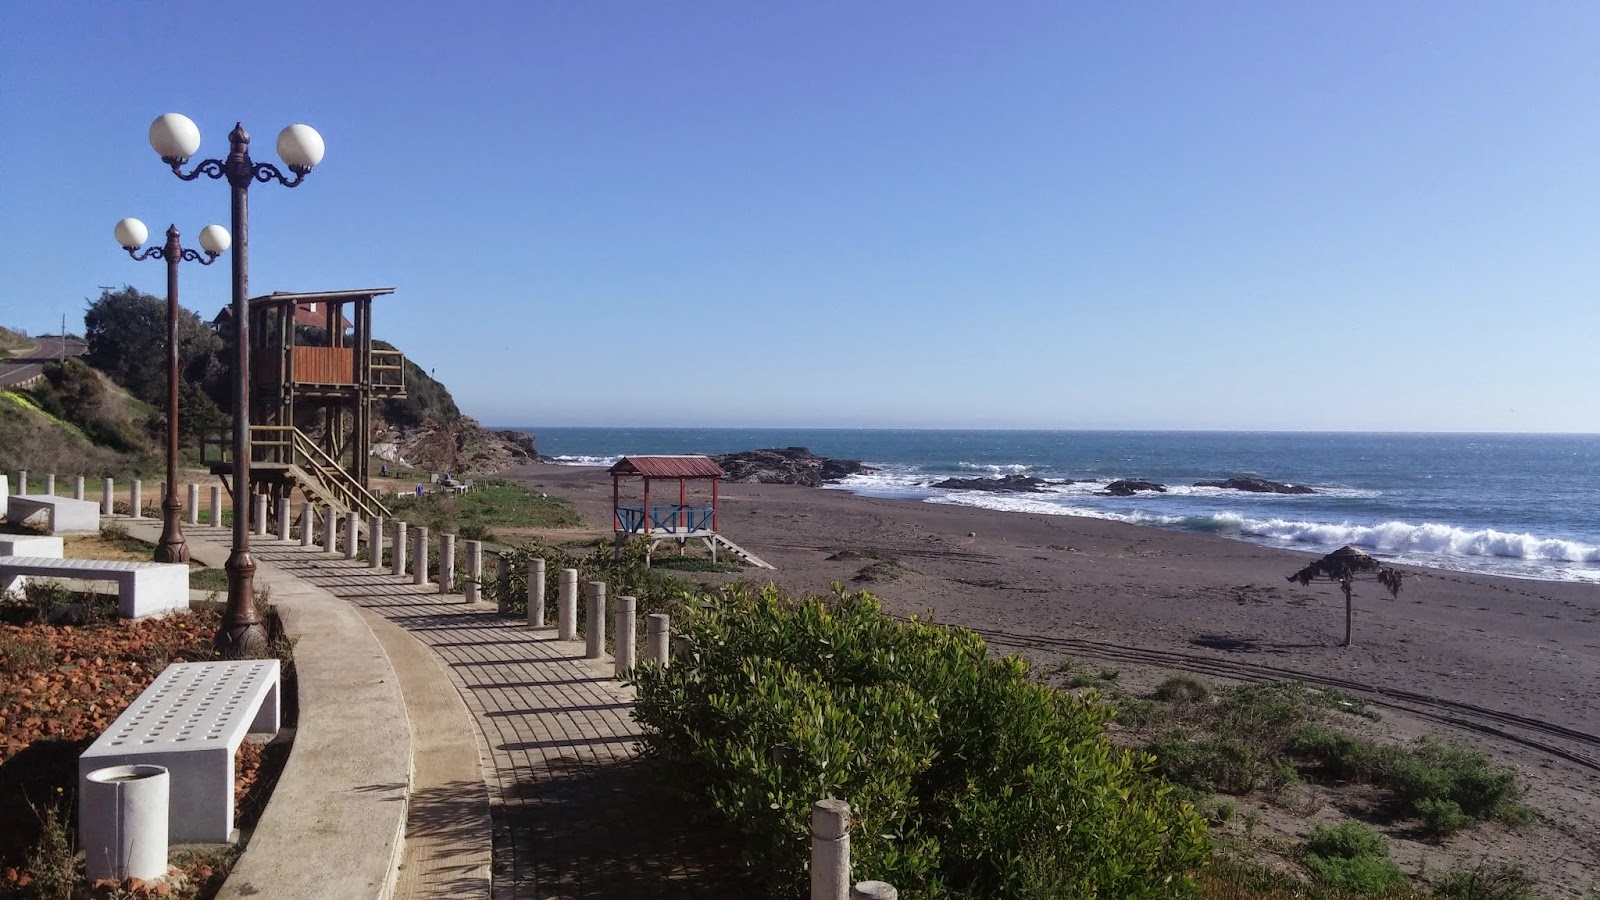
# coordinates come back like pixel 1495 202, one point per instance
pixel 126 333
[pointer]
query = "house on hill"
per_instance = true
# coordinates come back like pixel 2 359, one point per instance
pixel 310 314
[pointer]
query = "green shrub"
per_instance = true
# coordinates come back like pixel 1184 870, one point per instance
pixel 1181 688
pixel 1340 756
pixel 1350 856
pixel 1346 840
pixel 1442 770
pixel 1441 817
pixel 965 777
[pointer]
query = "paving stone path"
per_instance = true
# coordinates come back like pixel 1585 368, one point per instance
pixel 575 813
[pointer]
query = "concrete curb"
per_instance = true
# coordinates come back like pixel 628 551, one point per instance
pixel 336 822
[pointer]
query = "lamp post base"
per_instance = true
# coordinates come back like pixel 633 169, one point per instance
pixel 241 635
pixel 173 547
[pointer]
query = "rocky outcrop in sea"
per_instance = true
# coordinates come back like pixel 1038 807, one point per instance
pixel 1256 486
pixel 1020 484
pixel 786 465
pixel 1127 487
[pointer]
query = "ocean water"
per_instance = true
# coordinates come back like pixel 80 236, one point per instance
pixel 1519 505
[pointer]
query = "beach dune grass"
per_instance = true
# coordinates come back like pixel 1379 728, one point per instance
pixel 492 503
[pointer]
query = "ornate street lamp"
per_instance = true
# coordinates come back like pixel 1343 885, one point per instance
pixel 214 239
pixel 175 138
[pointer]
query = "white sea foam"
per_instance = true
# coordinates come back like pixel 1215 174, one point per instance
pixel 996 470
pixel 582 460
pixel 1404 539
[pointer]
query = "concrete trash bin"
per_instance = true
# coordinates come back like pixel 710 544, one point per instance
pixel 122 822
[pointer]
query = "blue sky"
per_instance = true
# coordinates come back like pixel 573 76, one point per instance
pixel 1363 216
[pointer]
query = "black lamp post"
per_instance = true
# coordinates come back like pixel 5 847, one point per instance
pixel 214 239
pixel 176 138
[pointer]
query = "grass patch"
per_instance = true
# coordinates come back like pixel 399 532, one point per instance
pixel 1350 856
pixel 206 578
pixel 492 503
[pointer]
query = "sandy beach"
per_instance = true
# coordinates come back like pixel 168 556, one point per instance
pixel 1511 665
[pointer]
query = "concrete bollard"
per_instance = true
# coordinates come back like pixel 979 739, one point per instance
pixel 658 638
pixel 136 500
pixel 419 560
pixel 595 643
pixel 567 606
pixel 306 529
pixel 627 635
pixel 375 542
pixel 330 528
pixel 50 484
pixel 22 481
pixel 106 502
pixel 474 587
pixel 216 506
pixel 193 505
pixel 536 592
pixel 447 563
pixel 830 850
pixel 122 815
pixel 77 488
pixel 285 523
pixel 261 515
pixel 401 545
pixel 351 521
pixel 874 890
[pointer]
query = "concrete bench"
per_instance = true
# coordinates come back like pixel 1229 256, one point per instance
pixel 32 545
pixel 63 515
pixel 143 588
pixel 191 720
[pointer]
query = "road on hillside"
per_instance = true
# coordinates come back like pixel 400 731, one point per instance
pixel 27 364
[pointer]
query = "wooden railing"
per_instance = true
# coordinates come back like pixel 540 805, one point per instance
pixel 285 445
pixel 388 371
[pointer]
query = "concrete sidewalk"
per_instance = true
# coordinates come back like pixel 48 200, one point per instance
pixel 516 739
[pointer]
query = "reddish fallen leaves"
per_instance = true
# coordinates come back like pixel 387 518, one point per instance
pixel 60 687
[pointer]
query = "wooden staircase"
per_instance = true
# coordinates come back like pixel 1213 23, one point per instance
pixel 284 455
pixel 741 552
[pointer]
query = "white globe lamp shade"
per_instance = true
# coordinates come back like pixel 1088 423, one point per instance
pixel 131 234
pixel 301 147
pixel 215 240
pixel 174 136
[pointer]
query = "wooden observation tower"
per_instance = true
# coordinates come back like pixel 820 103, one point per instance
pixel 314 376
pixel 680 522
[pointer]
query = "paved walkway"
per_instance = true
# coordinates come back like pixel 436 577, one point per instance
pixel 574 812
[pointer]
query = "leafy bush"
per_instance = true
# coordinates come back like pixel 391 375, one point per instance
pixel 1442 817
pixel 1350 856
pixel 1184 688
pixel 965 777
pixel 1442 770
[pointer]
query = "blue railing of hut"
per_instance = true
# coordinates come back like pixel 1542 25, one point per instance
pixel 666 518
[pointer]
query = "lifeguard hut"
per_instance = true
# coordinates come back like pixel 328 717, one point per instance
pixel 314 375
pixel 679 522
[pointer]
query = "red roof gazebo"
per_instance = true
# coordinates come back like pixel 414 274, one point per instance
pixel 675 522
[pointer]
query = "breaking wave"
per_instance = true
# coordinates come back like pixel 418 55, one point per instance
pixel 582 460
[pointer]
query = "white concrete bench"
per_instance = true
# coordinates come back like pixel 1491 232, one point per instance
pixel 191 720
pixel 143 588
pixel 32 545
pixel 63 515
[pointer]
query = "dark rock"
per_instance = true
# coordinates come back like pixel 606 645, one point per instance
pixel 787 465
pixel 1127 487
pixel 1024 484
pixel 1256 486
pixel 519 443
